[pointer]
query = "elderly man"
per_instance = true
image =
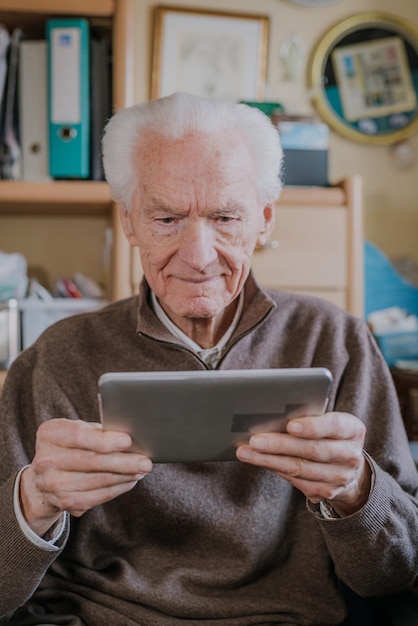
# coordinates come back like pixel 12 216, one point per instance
pixel 91 532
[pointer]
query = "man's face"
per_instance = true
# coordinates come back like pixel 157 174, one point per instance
pixel 196 219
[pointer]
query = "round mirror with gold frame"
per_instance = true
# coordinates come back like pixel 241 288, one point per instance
pixel 364 78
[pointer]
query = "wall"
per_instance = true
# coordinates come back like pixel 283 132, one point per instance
pixel 390 195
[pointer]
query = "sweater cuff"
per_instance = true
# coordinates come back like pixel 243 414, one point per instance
pixel 21 560
pixel 20 548
pixel 53 540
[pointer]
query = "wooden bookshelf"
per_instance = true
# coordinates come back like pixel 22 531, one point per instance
pixel 82 200
pixel 26 207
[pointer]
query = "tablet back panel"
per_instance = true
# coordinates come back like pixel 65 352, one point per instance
pixel 205 415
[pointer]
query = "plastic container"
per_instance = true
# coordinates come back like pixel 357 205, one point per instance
pixel 9 332
pixel 398 346
pixel 37 315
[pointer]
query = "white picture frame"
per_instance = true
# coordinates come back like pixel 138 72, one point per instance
pixel 209 53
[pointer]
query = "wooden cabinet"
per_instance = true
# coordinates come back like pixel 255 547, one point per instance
pixel 61 225
pixel 317 244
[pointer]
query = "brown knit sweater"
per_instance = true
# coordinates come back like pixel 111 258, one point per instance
pixel 224 544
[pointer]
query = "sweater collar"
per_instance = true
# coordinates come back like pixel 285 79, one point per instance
pixel 257 305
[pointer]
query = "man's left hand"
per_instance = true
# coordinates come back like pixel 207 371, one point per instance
pixel 321 456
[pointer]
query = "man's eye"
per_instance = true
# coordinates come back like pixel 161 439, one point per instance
pixel 166 220
pixel 224 219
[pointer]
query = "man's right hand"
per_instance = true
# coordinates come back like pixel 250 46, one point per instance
pixel 77 465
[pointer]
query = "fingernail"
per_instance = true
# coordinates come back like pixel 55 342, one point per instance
pixel 144 465
pixel 258 442
pixel 123 441
pixel 244 453
pixel 294 427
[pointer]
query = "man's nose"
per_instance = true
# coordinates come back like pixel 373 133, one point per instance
pixel 197 247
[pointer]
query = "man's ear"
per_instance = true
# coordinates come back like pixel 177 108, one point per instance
pixel 126 221
pixel 267 224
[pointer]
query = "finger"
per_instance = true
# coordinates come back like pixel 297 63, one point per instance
pixel 65 484
pixel 83 435
pixel 319 450
pixel 303 469
pixel 347 494
pixel 316 481
pixel 332 425
pixel 315 491
pixel 298 467
pixel 78 503
pixel 75 460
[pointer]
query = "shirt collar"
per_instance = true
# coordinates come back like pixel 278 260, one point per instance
pixel 211 356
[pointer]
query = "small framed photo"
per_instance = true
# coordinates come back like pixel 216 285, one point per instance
pixel 374 78
pixel 212 54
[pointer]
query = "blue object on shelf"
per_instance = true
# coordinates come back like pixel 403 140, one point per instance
pixel 385 288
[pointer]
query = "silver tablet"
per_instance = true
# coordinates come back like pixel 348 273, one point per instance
pixel 205 415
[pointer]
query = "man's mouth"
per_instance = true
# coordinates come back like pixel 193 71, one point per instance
pixel 196 280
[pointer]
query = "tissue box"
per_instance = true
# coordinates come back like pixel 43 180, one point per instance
pixel 305 148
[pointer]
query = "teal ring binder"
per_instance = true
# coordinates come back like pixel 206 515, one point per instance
pixel 69 97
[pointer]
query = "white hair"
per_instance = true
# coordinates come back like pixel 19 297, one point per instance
pixel 177 116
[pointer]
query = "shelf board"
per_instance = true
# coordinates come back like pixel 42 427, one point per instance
pixel 56 197
pixel 313 196
pixel 93 197
pixel 60 7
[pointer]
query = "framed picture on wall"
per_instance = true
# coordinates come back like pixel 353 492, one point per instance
pixel 364 78
pixel 209 53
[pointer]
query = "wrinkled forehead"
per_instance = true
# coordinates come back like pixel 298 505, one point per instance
pixel 195 154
